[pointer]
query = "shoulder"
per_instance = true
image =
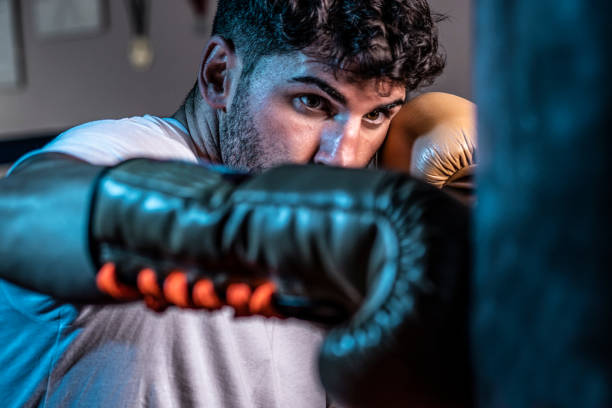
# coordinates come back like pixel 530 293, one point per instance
pixel 106 142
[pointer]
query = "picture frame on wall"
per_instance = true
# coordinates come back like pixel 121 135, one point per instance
pixel 61 19
pixel 11 46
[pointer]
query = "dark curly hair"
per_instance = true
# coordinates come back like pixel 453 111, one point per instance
pixel 394 40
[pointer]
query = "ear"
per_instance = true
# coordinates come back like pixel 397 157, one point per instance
pixel 218 70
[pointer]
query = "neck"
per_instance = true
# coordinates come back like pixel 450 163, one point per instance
pixel 202 124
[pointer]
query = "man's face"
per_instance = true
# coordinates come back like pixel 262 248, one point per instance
pixel 291 109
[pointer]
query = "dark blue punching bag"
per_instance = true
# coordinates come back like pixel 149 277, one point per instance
pixel 542 308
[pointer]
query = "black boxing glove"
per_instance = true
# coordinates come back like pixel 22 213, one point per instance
pixel 407 345
pixel 385 254
pixel 382 252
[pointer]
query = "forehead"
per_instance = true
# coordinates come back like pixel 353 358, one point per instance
pixel 279 70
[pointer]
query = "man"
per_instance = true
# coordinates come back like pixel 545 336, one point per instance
pixel 280 82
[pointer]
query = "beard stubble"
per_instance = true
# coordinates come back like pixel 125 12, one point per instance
pixel 240 141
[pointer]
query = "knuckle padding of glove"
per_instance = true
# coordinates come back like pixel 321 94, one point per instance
pixel 141 216
pixel 266 226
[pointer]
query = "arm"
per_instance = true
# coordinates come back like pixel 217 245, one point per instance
pixel 44 213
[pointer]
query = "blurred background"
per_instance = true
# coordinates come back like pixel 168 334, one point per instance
pixel 65 62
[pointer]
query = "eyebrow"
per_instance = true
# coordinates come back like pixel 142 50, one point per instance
pixel 335 94
pixel 324 86
pixel 391 105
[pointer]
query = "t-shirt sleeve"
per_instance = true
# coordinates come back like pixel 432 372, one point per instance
pixel 108 142
pixel 104 142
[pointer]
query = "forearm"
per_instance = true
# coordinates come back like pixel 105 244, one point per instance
pixel 44 211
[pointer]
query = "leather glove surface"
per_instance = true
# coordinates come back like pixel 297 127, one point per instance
pixel 433 138
pixel 380 256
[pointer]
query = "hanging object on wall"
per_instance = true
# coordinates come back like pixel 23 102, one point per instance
pixel 68 18
pixel 200 8
pixel 11 74
pixel 140 52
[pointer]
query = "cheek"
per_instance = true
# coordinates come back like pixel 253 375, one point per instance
pixel 284 132
pixel 371 141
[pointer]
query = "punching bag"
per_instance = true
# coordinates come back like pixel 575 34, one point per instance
pixel 541 324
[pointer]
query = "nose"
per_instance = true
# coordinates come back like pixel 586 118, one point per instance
pixel 339 143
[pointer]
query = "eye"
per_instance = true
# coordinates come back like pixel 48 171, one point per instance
pixel 376 117
pixel 309 104
pixel 311 101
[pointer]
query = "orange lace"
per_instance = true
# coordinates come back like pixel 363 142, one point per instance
pixel 246 301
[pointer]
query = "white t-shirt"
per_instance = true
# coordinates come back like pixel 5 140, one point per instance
pixel 129 356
